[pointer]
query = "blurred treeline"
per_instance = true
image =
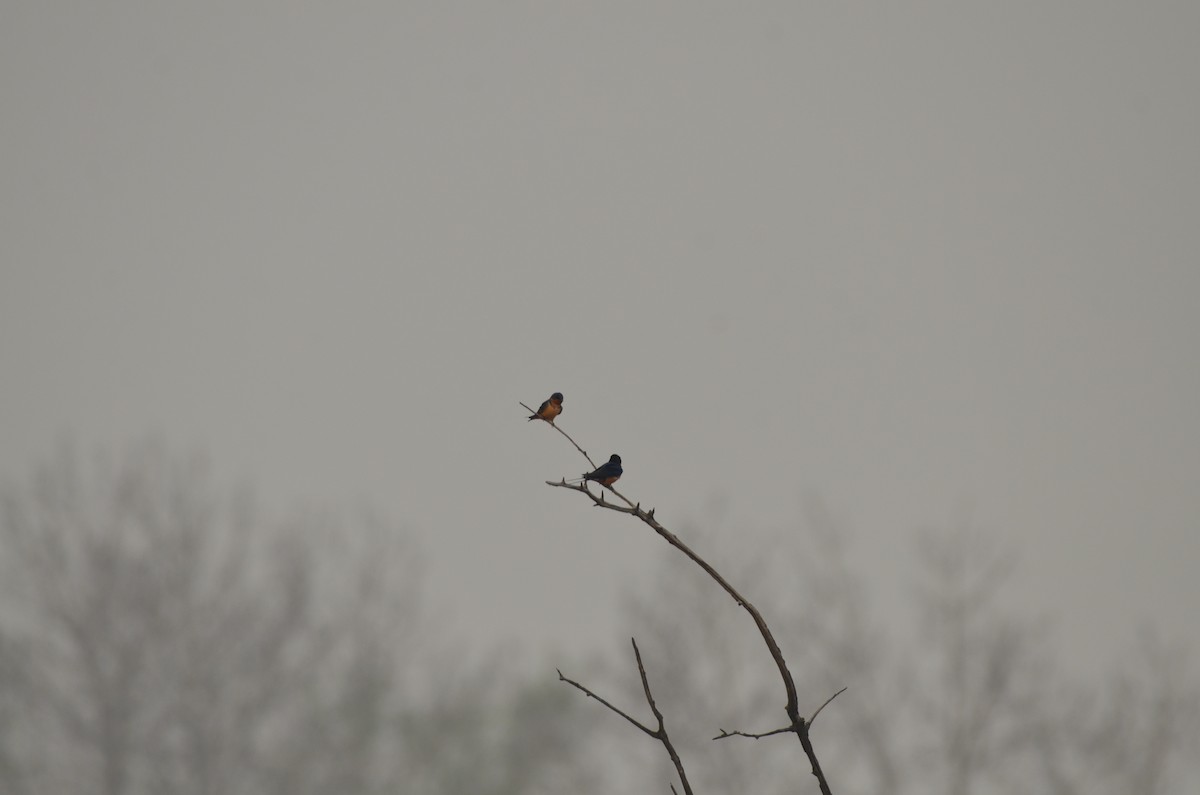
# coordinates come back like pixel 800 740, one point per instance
pixel 157 635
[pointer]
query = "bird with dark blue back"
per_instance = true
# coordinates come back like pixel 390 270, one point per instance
pixel 608 473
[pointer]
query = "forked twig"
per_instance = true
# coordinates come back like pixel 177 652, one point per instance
pixel 659 734
pixel 783 730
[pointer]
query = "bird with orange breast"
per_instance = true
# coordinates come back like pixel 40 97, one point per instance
pixel 549 409
pixel 607 473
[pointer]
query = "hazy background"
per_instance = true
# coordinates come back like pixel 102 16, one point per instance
pixel 929 264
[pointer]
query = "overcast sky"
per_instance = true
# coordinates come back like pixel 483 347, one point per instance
pixel 928 262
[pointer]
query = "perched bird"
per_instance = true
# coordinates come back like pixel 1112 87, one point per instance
pixel 607 474
pixel 549 409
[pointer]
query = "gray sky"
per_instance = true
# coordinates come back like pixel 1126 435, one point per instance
pixel 927 262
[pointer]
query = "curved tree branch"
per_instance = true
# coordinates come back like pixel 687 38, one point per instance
pixel 797 723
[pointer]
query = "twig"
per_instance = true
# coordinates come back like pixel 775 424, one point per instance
pixel 823 706
pixel 735 733
pixel 596 498
pixel 785 729
pixel 659 734
pixel 617 710
pixel 662 726
pixel 797 723
pixel 564 433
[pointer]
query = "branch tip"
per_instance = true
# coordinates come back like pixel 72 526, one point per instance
pixel 823 706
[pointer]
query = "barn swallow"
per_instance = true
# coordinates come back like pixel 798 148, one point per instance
pixel 607 474
pixel 549 409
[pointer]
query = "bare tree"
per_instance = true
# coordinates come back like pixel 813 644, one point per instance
pixel 1138 732
pixel 168 631
pixel 157 635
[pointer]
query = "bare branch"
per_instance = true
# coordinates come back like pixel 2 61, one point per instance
pixel 564 433
pixel 823 706
pixel 735 733
pixel 659 734
pixel 662 727
pixel 596 498
pixel 608 704
pixel 798 725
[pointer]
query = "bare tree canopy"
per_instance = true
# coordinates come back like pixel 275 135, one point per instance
pixel 157 635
